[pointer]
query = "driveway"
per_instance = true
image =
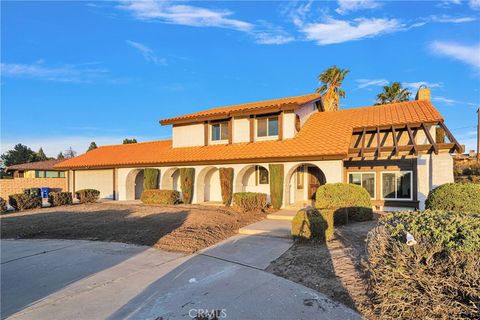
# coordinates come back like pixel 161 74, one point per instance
pixel 72 279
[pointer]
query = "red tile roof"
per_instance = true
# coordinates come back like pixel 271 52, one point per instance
pixel 38 165
pixel 324 135
pixel 282 103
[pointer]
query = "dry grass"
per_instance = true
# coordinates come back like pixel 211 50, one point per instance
pixel 184 228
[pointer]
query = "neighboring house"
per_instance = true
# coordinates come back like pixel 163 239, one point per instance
pixel 39 169
pixel 390 150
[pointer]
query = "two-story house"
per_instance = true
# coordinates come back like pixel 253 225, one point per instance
pixel 397 152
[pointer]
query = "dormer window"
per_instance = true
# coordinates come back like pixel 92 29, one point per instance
pixel 219 132
pixel 267 127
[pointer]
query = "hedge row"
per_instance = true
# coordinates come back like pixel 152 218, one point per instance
pixel 87 195
pixel 156 196
pixel 60 198
pixel 250 201
pixel 3 205
pixel 22 201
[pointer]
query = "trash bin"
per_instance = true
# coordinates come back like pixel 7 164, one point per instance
pixel 45 191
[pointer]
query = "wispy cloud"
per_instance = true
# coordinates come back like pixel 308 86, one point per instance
pixel 175 13
pixel 416 85
pixel 147 53
pixel 333 31
pixel 365 83
pixel 346 6
pixel 65 73
pixel 449 19
pixel 474 4
pixel 469 54
pixel 267 33
pixel 451 102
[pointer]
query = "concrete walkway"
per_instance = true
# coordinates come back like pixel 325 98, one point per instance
pixel 278 224
pixel 61 279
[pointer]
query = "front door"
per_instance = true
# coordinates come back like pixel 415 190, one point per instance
pixel 315 179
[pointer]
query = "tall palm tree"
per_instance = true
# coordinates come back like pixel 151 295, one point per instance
pixel 331 88
pixel 393 93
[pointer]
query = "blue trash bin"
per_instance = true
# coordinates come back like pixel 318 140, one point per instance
pixel 45 191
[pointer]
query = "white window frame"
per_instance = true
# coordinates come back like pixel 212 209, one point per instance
pixel 374 185
pixel 210 133
pixel 267 137
pixel 396 173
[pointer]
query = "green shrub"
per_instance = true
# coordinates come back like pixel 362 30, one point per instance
pixel 150 178
pixel 250 201
pixel 3 205
pixel 310 224
pixel 464 197
pixel 156 196
pixel 187 176
pixel 276 185
pixel 87 195
pixel 226 185
pixel 342 197
pixel 60 198
pixel 23 201
pixel 35 192
pixel 436 278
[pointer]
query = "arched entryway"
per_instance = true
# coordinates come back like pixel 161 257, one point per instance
pixel 134 184
pixel 208 185
pixel 171 179
pixel 253 178
pixel 302 182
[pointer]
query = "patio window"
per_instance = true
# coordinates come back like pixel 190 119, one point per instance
pixel 267 127
pixel 365 180
pixel 220 131
pixel 261 176
pixel 397 185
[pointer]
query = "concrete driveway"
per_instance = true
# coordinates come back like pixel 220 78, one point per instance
pixel 65 279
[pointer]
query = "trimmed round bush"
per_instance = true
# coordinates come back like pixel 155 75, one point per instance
pixel 3 205
pixel 155 196
pixel 250 201
pixel 87 195
pixel 60 198
pixel 350 202
pixel 464 197
pixel 22 201
pixel 311 224
pixel 440 269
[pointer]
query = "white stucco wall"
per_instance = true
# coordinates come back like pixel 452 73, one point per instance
pixel 241 130
pixel 101 180
pixel 305 111
pixel 289 125
pixel 188 135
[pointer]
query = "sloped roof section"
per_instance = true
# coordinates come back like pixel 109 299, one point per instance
pixel 326 135
pixel 38 165
pixel 280 104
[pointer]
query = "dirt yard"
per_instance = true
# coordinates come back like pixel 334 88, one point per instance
pixel 175 228
pixel 334 269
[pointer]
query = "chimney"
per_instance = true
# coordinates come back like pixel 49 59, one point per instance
pixel 423 93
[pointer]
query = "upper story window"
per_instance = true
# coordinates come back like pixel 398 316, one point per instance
pixel 267 127
pixel 219 131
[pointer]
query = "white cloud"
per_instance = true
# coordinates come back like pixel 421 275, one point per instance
pixel 451 102
pixel 364 83
pixel 168 12
pixel 270 38
pixel 474 4
pixel 416 85
pixel 346 6
pixel 147 53
pixel 450 19
pixel 65 73
pixel 469 54
pixel 337 31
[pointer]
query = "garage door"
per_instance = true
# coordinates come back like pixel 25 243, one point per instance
pixel 101 180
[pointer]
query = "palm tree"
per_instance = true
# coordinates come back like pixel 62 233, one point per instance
pixel 393 93
pixel 331 88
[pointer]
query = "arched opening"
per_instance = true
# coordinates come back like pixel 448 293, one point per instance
pixel 253 178
pixel 134 184
pixel 208 185
pixel 302 183
pixel 171 179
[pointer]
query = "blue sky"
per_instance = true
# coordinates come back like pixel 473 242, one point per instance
pixel 75 72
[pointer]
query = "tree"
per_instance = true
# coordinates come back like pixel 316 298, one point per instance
pixel 393 93
pixel 69 153
pixel 128 141
pixel 331 80
pixel 19 154
pixel 41 156
pixel 60 156
pixel 92 146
